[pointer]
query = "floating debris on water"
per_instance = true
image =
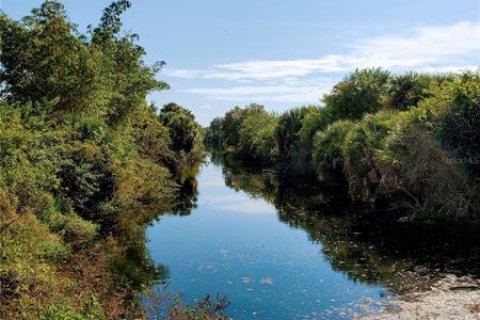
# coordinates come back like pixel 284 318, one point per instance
pixel 247 280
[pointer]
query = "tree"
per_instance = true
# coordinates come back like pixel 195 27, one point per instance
pixel 127 79
pixel 214 136
pixel 111 22
pixel 42 59
pixel 233 120
pixel 359 93
pixel 251 134
pixel 182 126
pixel 407 90
pixel 287 130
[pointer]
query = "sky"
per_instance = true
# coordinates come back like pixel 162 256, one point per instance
pixel 282 54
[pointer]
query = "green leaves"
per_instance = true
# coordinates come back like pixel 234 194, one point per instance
pixel 409 139
pixel 359 93
pixel 111 22
pixel 84 163
pixel 45 58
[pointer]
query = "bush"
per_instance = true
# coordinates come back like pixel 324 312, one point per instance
pixel 254 140
pixel 84 164
pixel 407 90
pixel 359 93
pixel 458 123
pixel 327 150
pixel 79 232
pixel 414 167
pixel 86 178
pixel 359 152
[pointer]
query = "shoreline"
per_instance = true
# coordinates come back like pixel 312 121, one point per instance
pixel 451 297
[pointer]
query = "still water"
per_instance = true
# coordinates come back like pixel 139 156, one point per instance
pixel 236 243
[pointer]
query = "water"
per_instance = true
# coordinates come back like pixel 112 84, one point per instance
pixel 270 266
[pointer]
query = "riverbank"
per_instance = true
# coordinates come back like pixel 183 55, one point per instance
pixel 448 298
pixel 85 165
pixel 403 142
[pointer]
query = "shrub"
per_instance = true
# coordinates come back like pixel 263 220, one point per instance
pixel 78 231
pixel 359 152
pixel 414 166
pixel 254 129
pixel 327 149
pixel 458 124
pixel 359 93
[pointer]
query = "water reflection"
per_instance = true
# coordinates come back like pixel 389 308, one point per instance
pixel 187 197
pixel 286 249
pixel 369 246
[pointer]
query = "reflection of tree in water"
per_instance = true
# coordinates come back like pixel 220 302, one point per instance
pixel 187 195
pixel 368 246
pixel 135 264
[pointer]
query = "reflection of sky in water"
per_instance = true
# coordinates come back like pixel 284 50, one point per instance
pixel 238 203
pixel 235 245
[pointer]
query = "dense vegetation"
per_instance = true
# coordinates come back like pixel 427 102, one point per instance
pixel 407 142
pixel 85 165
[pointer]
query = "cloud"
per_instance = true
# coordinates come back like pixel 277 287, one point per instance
pixel 291 92
pixel 428 47
pixel 239 203
pixel 263 69
pixel 450 48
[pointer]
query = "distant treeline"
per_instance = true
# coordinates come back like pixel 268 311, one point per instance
pixel 409 142
pixel 85 164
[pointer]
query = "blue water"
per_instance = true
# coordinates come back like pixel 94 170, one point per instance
pixel 235 245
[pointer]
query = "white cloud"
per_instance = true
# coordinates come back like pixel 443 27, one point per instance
pixel 291 93
pixel 263 69
pixel 429 49
pixel 449 68
pixel 249 207
pixel 240 203
pixel 428 46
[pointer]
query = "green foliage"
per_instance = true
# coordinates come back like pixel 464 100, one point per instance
pixel 233 121
pixel 186 138
pixel 63 310
pixel 255 136
pixel 214 136
pixel 359 93
pixel 406 141
pixel 407 90
pixel 78 231
pixel 359 151
pixel 152 137
pixel 459 121
pixel 247 132
pixel 184 131
pixel 111 23
pixel 414 169
pixel 206 309
pixel 315 120
pixel 287 133
pixel 264 147
pixel 327 149
pixel 43 59
pixel 86 178
pixel 85 165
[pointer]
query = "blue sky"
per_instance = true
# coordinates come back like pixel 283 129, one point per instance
pixel 281 54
